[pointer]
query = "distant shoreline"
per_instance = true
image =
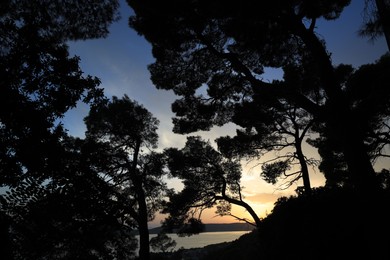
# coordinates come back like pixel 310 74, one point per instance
pixel 222 227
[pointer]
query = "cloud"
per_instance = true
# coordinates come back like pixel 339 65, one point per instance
pixel 169 139
pixel 265 198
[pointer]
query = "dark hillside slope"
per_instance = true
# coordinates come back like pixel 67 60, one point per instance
pixel 228 227
pixel 332 224
pixel 246 247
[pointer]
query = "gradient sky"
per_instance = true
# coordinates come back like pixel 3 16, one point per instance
pixel 121 59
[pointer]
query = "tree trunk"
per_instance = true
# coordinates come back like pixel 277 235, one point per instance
pixel 339 116
pixel 304 169
pixel 245 206
pixel 358 161
pixel 239 203
pixel 144 249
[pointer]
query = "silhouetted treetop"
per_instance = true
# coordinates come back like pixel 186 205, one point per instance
pixel 209 179
pixel 125 134
pixel 39 81
pixel 64 20
pixel 214 55
pixel 376 20
pixel 56 205
pixel 123 122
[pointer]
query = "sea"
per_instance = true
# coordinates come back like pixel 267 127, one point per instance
pixel 202 239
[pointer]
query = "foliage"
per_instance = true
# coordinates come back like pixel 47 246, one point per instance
pixel 271 172
pixel 278 133
pixel 162 242
pixel 122 135
pixel 214 46
pixel 71 216
pixel 209 179
pixel 55 206
pixel 368 94
pixel 40 82
pixel 213 56
pixel 376 22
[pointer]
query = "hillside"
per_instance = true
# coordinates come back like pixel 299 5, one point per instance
pixel 330 224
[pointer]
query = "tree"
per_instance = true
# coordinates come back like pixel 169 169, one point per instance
pixel 209 179
pixel 278 131
pixel 224 49
pixel 39 83
pixel 368 94
pixel 72 216
pixel 124 135
pixel 376 22
pixel 162 242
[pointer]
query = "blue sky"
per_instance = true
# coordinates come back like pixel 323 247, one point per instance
pixel 121 60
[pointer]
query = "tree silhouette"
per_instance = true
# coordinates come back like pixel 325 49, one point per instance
pixel 162 242
pixel 213 56
pixel 125 136
pixel 367 92
pixel 209 179
pixel 39 83
pixel 71 216
pixel 281 132
pixel 376 20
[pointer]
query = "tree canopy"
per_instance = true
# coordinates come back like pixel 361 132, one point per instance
pixel 81 198
pixel 74 215
pixel 39 80
pixel 124 135
pixel 46 212
pixel 213 55
pixel 209 179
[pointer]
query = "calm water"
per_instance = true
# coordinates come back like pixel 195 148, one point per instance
pixel 204 239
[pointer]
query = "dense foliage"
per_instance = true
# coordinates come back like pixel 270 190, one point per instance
pixel 209 179
pixel 123 135
pixel 55 205
pixel 213 56
pixel 65 197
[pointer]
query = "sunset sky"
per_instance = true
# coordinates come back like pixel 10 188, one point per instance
pixel 121 60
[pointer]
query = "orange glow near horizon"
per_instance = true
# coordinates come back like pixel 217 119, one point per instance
pixel 262 208
pixel 210 217
pixel 261 202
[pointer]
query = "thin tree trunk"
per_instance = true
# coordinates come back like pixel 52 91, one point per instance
pixel 304 169
pixel 144 249
pixel 244 205
pixel 301 157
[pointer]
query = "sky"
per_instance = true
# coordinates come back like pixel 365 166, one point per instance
pixel 121 59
